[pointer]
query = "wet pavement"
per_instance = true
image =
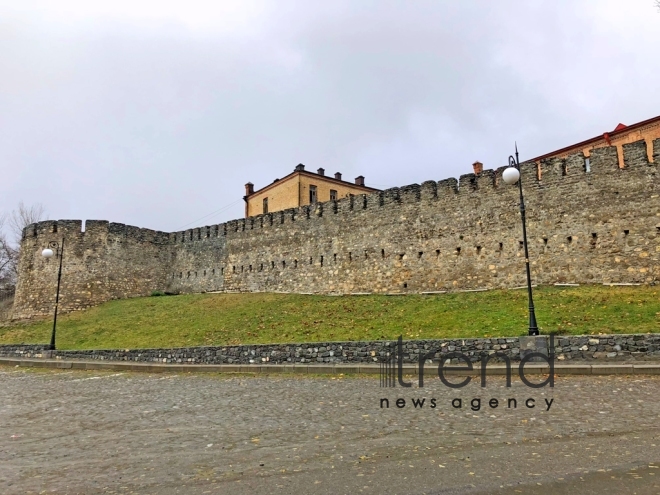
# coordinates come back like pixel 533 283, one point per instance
pixel 86 432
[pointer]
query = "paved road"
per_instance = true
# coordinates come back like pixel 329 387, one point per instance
pixel 66 432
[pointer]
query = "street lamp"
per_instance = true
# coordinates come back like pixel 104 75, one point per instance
pixel 49 253
pixel 511 175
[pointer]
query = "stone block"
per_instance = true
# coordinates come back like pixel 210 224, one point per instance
pixel 612 369
pixel 572 369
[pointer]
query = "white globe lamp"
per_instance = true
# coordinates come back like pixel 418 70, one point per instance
pixel 47 253
pixel 511 175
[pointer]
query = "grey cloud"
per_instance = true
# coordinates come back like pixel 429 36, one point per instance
pixel 157 126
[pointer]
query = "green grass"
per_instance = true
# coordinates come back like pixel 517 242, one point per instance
pixel 219 319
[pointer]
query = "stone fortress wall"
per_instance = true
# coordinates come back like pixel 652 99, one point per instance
pixel 596 224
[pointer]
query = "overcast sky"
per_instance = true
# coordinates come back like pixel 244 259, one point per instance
pixel 156 113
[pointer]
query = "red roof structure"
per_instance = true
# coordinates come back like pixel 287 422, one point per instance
pixel 606 135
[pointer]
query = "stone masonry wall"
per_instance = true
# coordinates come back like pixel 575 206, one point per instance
pixel 106 261
pixel 596 226
pixel 567 348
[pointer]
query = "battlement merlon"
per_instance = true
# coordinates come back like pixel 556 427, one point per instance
pixel 54 229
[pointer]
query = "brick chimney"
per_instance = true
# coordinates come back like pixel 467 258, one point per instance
pixel 337 176
pixel 299 168
pixel 321 171
pixel 359 180
pixel 478 167
pixel 249 188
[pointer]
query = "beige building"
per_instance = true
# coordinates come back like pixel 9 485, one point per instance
pixel 300 188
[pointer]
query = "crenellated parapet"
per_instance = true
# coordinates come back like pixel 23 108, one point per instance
pixel 103 261
pixel 589 222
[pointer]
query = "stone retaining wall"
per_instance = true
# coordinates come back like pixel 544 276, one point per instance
pixel 583 347
pixel 22 350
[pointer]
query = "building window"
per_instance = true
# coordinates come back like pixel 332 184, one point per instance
pixel 312 194
pixel 333 195
pixel 265 205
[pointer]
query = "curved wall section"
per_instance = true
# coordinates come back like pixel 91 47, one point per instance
pixel 105 261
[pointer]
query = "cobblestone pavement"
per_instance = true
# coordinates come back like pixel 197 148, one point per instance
pixel 69 432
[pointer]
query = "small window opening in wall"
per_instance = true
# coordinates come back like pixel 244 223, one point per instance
pixel 458 251
pixel 208 232
pixel 188 274
pixel 521 244
pixel 283 264
pixel 569 239
pixel 222 271
pixel 334 256
pixel 242 268
pixel 501 246
pixel 626 232
pixel 478 249
pixel 587 165
pixel 261 267
pixel 333 195
pixel 233 269
pixel 265 203
pixel 321 260
pixel 213 272
pixel 311 261
pixel 405 285
pixel 366 254
pixel 295 263
pixel 545 241
pixel 205 273
pixel 401 255
pixel 460 237
pixel 350 256
pixel 420 254
pixel 250 268
pixel 272 264
pixel 54 228
pixel 199 234
pixel 312 194
pixel 382 253
pixel 195 274
pixel 594 238
pixel 437 252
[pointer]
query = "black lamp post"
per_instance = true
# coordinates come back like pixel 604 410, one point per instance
pixel 48 253
pixel 511 175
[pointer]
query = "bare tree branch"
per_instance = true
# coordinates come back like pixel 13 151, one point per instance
pixel 24 216
pixel 7 258
pixel 16 221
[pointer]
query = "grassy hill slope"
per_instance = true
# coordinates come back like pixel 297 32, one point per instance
pixel 217 319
